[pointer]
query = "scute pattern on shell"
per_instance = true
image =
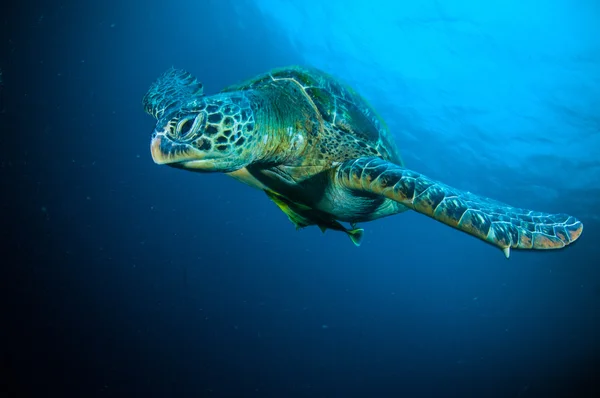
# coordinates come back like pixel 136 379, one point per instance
pixel 352 128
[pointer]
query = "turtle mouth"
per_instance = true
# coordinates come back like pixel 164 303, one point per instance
pixel 179 155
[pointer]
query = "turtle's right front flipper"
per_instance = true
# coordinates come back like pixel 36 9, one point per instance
pixel 497 223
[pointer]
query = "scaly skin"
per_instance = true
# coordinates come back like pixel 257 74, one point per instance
pixel 496 223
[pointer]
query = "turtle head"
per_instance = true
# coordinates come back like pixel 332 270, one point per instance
pixel 198 133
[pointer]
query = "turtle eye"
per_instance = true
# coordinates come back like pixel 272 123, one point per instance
pixel 184 127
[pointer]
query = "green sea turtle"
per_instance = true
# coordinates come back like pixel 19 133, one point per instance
pixel 324 156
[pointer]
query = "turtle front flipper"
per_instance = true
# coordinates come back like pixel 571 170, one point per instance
pixel 496 223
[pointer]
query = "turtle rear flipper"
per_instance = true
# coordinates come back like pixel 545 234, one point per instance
pixel 171 91
pixel 496 223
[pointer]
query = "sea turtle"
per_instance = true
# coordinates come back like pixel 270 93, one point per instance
pixel 324 156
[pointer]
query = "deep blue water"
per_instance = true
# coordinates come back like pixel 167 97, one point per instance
pixel 125 278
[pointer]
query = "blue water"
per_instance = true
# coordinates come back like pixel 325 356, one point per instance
pixel 125 278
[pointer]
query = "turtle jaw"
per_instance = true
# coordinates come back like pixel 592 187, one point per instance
pixel 179 155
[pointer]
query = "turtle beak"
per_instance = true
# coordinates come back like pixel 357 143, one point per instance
pixel 181 155
pixel 159 150
pixel 166 151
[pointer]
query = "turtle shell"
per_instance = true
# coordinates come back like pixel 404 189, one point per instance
pixel 338 105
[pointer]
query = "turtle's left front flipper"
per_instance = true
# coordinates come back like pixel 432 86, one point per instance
pixel 497 223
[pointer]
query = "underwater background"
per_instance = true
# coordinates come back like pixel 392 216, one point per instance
pixel 124 278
